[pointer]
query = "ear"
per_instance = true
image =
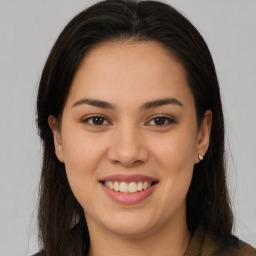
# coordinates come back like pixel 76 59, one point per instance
pixel 203 136
pixel 52 122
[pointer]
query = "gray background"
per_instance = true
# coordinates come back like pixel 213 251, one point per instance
pixel 27 31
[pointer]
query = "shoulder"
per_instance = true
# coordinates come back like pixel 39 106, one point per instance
pixel 231 246
pixel 205 244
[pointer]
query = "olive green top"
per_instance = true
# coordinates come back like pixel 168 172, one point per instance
pixel 203 244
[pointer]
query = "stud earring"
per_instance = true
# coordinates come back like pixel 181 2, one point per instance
pixel 200 157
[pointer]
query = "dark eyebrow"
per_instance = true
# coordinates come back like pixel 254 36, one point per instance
pixel 145 106
pixel 160 102
pixel 96 103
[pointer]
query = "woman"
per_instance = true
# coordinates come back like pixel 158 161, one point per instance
pixel 130 116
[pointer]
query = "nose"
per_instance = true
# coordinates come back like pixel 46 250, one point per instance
pixel 127 147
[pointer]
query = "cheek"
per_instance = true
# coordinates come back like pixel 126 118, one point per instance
pixel 81 151
pixel 175 158
pixel 176 152
pixel 82 155
pixel 176 161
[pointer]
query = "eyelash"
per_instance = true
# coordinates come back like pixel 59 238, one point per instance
pixel 166 118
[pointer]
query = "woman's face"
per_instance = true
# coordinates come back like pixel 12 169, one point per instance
pixel 129 138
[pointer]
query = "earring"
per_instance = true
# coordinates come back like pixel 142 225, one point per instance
pixel 200 157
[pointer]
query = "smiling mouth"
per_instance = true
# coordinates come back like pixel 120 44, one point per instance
pixel 128 187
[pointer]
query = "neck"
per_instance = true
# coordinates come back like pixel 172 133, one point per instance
pixel 167 241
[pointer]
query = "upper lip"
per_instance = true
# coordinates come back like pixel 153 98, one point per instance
pixel 128 178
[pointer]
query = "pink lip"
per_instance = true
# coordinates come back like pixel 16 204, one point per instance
pixel 128 178
pixel 128 198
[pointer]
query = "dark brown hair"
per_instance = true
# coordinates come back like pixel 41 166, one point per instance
pixel 62 223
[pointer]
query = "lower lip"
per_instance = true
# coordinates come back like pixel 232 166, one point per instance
pixel 129 198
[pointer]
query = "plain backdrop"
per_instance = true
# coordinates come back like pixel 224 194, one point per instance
pixel 28 30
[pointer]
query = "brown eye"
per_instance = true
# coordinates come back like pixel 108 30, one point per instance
pixel 96 120
pixel 161 121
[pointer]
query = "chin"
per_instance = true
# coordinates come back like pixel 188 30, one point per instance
pixel 129 223
pixel 127 229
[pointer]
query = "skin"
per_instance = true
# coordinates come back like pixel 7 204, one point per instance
pixel 130 141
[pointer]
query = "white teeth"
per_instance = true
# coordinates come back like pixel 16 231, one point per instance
pixel 116 186
pixel 139 186
pixel 145 185
pixel 132 187
pixel 125 187
pixel 110 185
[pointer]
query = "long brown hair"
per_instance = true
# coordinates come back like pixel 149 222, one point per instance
pixel 62 223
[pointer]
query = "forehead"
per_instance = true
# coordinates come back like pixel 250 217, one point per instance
pixel 129 70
